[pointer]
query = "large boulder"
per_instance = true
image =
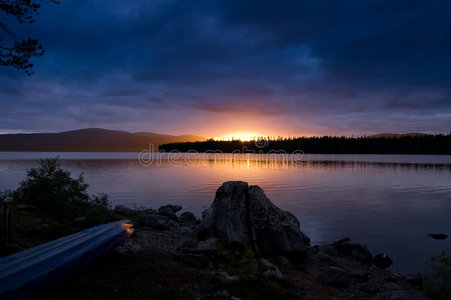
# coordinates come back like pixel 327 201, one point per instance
pixel 242 214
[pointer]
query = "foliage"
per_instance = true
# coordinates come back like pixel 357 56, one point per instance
pixel 5 196
pixel 17 53
pixel 54 193
pixel 415 144
pixel 437 283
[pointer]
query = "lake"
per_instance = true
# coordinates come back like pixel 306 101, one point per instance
pixel 388 202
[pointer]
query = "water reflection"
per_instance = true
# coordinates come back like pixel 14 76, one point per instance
pixel 391 203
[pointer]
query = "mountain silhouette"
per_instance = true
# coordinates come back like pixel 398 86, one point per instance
pixel 90 140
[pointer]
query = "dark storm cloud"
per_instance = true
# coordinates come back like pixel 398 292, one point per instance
pixel 321 66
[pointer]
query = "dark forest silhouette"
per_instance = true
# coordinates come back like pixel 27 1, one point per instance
pixel 416 144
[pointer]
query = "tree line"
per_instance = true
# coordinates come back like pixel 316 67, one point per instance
pixel 420 144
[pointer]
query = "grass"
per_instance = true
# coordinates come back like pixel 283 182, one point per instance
pixel 156 275
pixel 437 283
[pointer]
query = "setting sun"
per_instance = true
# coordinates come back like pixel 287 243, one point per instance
pixel 242 136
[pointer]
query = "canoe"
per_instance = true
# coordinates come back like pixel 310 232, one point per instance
pixel 33 271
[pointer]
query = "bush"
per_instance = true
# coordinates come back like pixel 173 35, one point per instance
pixel 437 283
pixel 5 196
pixel 54 193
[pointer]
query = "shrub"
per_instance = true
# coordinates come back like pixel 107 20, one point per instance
pixel 5 196
pixel 54 193
pixel 437 283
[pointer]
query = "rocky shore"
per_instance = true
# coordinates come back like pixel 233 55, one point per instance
pixel 244 239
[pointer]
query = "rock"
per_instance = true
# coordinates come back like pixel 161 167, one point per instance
pixel 122 210
pixel 273 274
pixel 150 211
pixel 415 279
pixel 400 295
pixel 225 277
pixel 157 222
pixel 355 250
pixel 367 287
pixel 322 258
pixel 173 208
pixel 207 247
pixel 266 263
pixel 382 261
pixel 243 214
pixel 234 298
pixel 211 242
pixel 333 276
pixel 273 271
pixel 438 236
pixel 25 207
pixel 222 294
pixel 329 250
pixel 188 219
pixel 283 260
pixel 80 220
pixel 169 211
pixel 182 243
pixel 186 231
pixel 201 251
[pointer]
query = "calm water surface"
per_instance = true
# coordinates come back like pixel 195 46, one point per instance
pixel 388 202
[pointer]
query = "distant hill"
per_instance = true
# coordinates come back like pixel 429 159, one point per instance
pixel 90 140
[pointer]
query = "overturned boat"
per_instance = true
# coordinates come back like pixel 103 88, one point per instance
pixel 34 270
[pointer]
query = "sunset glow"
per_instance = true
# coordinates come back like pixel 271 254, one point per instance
pixel 242 136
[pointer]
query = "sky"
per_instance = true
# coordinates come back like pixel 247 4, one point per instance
pixel 231 67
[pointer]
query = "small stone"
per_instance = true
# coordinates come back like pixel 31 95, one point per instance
pixel 157 222
pixel 223 294
pixel 273 273
pixel 182 243
pixel 333 276
pixel 283 260
pixel 225 277
pixel 150 211
pixel 355 250
pixel 438 236
pixel 322 258
pixel 173 208
pixel 169 211
pixel 188 218
pixel 329 250
pixel 415 279
pixel 267 263
pixel 80 220
pixel 201 251
pixel 392 286
pixel 211 242
pixel 369 288
pixel 234 298
pixel 382 261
